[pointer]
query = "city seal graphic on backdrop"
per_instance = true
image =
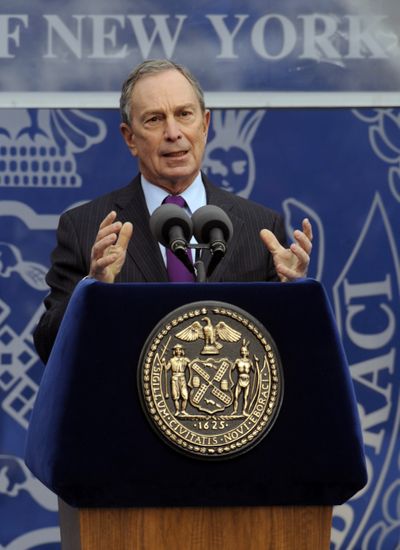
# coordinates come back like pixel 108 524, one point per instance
pixel 210 380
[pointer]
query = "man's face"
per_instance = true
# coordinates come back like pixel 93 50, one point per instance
pixel 168 131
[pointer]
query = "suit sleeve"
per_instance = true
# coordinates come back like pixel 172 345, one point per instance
pixel 69 266
pixel 278 228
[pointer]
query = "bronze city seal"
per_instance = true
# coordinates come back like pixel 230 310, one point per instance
pixel 210 380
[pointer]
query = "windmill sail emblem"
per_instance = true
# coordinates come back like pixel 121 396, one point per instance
pixel 211 384
pixel 210 334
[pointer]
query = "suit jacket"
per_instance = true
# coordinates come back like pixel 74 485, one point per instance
pixel 246 259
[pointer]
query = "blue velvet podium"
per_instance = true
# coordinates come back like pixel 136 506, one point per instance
pixel 90 442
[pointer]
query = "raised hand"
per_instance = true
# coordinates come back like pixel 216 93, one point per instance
pixel 109 249
pixel 290 263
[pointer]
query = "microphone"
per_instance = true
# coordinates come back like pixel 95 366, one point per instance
pixel 173 228
pixel 212 225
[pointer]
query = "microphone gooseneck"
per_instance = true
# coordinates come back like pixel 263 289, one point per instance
pixel 173 228
pixel 212 225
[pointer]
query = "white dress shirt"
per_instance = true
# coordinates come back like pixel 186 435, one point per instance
pixel 194 195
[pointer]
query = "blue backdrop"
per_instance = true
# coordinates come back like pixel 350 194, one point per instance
pixel 338 166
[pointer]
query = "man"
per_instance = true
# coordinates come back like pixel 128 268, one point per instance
pixel 178 364
pixel 243 365
pixel 165 125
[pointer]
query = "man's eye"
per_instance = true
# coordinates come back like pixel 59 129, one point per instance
pixel 152 119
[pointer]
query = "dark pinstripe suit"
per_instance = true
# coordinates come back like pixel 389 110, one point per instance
pixel 247 259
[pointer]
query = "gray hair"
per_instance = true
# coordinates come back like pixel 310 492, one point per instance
pixel 151 67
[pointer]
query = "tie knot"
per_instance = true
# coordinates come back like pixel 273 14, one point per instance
pixel 175 199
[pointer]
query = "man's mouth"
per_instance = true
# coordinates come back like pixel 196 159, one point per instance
pixel 175 154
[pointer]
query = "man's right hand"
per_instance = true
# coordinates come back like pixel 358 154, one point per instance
pixel 109 249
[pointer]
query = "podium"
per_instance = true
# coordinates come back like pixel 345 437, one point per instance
pixel 121 486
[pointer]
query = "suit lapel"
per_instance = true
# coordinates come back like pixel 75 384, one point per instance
pixel 143 249
pixel 226 202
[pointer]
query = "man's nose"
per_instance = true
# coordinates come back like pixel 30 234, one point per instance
pixel 172 130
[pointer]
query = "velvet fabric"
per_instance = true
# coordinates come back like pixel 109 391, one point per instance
pixel 90 442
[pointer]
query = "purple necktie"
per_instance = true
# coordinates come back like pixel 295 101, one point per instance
pixel 177 271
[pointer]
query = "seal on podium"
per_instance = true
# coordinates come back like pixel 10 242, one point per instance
pixel 210 380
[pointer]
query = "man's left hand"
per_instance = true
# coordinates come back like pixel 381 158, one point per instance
pixel 290 263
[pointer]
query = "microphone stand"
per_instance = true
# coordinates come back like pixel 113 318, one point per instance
pixel 200 270
pixel 198 267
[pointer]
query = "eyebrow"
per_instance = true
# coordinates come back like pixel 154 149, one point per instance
pixel 182 107
pixel 186 106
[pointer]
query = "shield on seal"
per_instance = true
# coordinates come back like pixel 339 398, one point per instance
pixel 211 384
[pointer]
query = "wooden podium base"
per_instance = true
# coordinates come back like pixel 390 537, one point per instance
pixel 241 528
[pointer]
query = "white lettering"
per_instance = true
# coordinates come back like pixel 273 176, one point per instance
pixel 370 420
pixel 7 35
pixel 225 36
pixel 288 40
pixel 317 43
pixel 367 373
pixel 365 290
pixel 369 340
pixel 160 29
pixel 346 515
pixel 363 42
pixel 57 27
pixel 273 36
pixel 101 38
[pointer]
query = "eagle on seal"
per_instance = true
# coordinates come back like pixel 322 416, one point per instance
pixel 210 334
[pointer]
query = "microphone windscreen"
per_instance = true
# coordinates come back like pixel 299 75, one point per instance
pixel 167 216
pixel 210 217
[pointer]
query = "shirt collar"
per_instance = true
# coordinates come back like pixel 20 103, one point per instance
pixel 194 195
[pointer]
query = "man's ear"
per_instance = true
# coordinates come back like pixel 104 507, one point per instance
pixel 129 138
pixel 206 121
